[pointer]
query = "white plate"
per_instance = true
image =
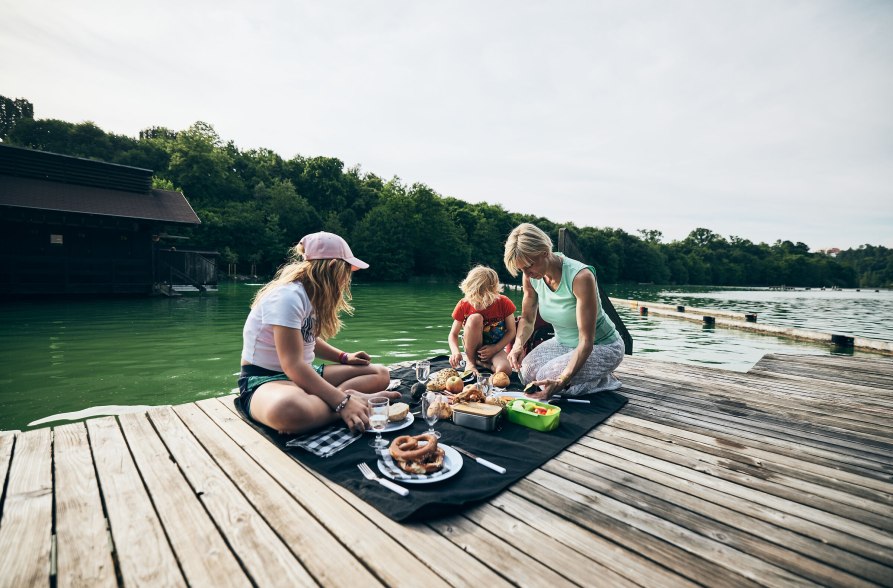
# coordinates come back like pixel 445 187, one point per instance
pixel 451 459
pixel 408 420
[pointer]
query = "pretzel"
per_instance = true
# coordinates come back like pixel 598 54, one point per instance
pixel 408 448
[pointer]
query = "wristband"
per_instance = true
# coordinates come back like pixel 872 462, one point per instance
pixel 342 404
pixel 342 359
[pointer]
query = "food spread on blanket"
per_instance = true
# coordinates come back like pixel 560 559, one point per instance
pixel 501 379
pixel 397 411
pixel 417 455
pixel 439 379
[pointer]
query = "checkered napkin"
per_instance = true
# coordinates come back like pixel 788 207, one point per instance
pixel 327 442
pixel 395 472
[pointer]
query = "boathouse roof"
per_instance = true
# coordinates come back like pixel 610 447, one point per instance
pixel 50 181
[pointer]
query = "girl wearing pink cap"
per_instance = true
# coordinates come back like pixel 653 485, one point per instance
pixel 291 318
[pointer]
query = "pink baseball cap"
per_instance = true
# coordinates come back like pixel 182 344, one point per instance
pixel 324 245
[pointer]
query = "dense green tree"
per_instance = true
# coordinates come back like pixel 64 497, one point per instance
pixel 13 110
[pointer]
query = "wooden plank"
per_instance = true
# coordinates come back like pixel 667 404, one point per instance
pixel 878 373
pixel 26 526
pixel 731 558
pixel 723 525
pixel 790 485
pixel 524 535
pixel 264 556
pixel 310 541
pixel 776 430
pixel 432 559
pixel 866 468
pixel 850 535
pixel 792 532
pixel 143 553
pixel 566 499
pixel 773 461
pixel 516 567
pixel 7 440
pixel 204 556
pixel 83 553
pixel 590 545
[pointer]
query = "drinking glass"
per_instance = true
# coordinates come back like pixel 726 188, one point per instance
pixel 428 400
pixel 422 371
pixel 485 383
pixel 378 420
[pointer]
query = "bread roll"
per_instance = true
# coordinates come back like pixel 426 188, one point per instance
pixel 397 411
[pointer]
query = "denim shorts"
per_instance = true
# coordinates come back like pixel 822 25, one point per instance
pixel 252 377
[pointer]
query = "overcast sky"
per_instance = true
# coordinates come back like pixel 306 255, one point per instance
pixel 761 119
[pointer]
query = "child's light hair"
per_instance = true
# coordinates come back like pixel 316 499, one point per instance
pixel 481 287
pixel 327 282
pixel 525 242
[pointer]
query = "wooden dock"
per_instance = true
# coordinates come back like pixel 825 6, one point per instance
pixel 781 476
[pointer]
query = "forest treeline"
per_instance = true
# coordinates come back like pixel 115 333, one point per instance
pixel 254 205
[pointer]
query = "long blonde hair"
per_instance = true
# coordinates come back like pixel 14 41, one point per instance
pixel 525 242
pixel 481 287
pixel 327 282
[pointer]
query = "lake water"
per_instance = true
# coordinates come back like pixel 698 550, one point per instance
pixel 65 360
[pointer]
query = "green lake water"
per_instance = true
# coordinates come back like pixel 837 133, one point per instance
pixel 64 360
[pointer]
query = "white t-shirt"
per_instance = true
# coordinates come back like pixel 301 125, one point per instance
pixel 288 306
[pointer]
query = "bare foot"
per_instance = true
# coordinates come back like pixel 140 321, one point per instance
pixel 389 394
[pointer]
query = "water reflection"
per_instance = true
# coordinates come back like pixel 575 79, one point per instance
pixel 65 357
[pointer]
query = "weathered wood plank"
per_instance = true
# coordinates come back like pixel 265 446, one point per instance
pixel 26 526
pixel 263 554
pixel 204 556
pixel 851 535
pixel 310 541
pixel 593 546
pixel 866 468
pixel 723 554
pixel 83 553
pixel 869 372
pixel 522 533
pixel 517 567
pixel 805 536
pixel 7 440
pixel 700 516
pixel 143 553
pixel 791 486
pixel 349 517
pixel 726 447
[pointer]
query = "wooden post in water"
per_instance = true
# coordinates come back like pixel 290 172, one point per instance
pixel 567 246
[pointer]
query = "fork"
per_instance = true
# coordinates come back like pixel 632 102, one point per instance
pixel 370 475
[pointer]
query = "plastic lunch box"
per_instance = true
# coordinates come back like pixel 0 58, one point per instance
pixel 537 422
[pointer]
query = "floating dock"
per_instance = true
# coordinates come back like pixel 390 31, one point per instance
pixel 779 476
pixel 748 322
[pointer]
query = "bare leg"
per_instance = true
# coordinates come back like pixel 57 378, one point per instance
pixel 283 406
pixel 369 379
pixel 500 362
pixel 473 336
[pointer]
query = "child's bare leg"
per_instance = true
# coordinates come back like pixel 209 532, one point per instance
pixel 501 362
pixel 473 336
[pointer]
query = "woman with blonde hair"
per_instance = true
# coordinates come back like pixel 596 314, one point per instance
pixel 487 318
pixel 291 318
pixel 587 347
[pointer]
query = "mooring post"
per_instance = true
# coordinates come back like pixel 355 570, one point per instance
pixel 750 317
pixel 643 310
pixel 842 340
pixel 710 321
pixel 680 308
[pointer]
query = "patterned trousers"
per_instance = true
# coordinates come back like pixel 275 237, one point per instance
pixel 549 359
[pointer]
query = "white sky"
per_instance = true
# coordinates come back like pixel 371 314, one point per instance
pixel 765 119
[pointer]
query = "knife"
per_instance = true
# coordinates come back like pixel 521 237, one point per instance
pixel 481 460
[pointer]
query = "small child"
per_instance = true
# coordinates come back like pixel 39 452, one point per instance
pixel 488 321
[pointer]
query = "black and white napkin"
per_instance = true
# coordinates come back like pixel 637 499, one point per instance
pixel 327 442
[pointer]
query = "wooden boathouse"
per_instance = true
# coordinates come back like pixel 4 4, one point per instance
pixel 77 226
pixel 781 476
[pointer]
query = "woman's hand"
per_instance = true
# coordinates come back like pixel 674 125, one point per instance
pixel 548 388
pixel 358 358
pixel 515 356
pixel 355 413
pixel 455 360
pixel 486 352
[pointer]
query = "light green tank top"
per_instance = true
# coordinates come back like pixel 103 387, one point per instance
pixel 560 307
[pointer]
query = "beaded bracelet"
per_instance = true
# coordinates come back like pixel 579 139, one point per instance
pixel 342 359
pixel 342 404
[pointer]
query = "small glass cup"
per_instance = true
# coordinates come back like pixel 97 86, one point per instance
pixel 430 408
pixel 422 371
pixel 378 420
pixel 485 383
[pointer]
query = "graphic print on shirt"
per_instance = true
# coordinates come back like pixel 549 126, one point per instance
pixel 307 330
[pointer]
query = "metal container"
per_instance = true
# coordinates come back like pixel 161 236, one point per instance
pixel 477 415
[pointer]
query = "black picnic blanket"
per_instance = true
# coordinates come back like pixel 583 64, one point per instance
pixel 518 449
